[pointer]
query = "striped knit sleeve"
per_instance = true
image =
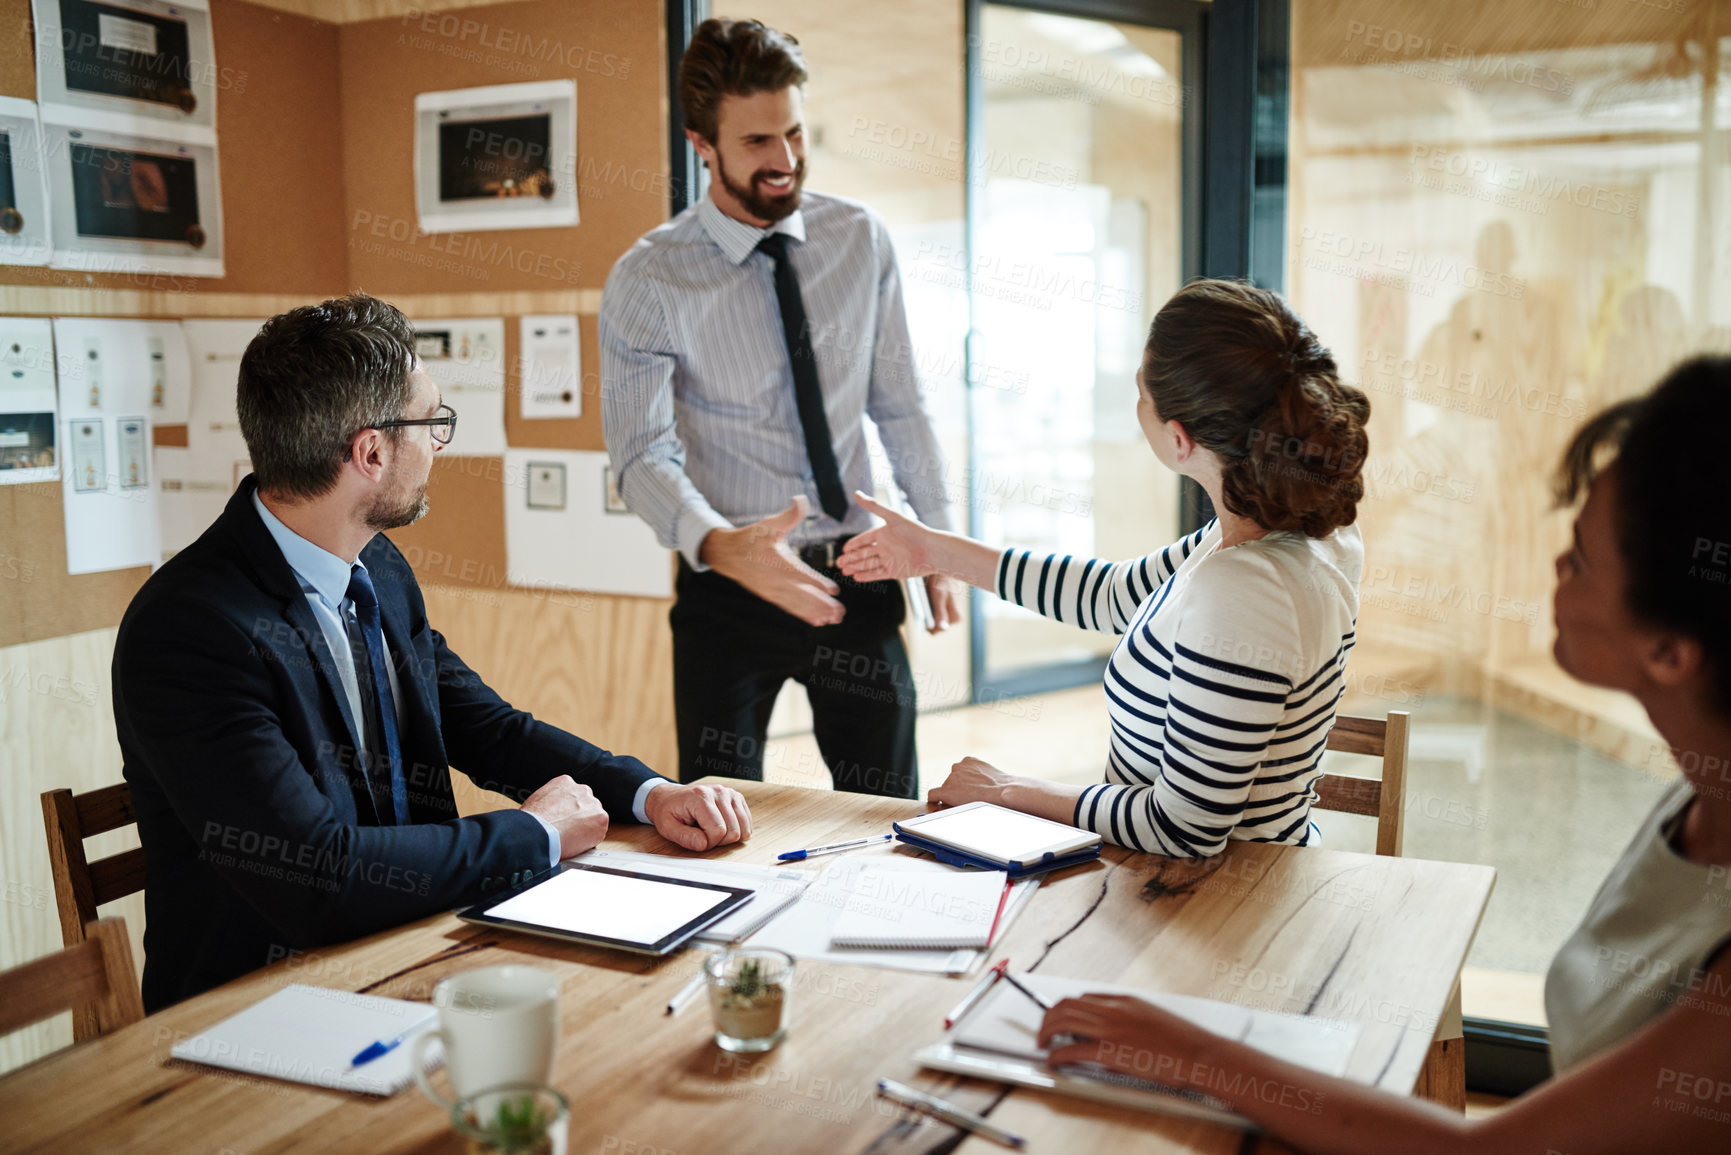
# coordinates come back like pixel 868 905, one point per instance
pixel 1230 674
pixel 1096 595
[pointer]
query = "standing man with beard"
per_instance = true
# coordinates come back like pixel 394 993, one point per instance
pixel 742 345
pixel 288 717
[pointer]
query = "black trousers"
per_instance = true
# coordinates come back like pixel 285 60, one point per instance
pixel 732 652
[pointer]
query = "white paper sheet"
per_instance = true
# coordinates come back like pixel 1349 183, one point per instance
pixel 804 929
pixel 310 1035
pixel 104 389
pixel 466 359
pixel 1007 1022
pixel 214 349
pixel 559 533
pixel 29 429
pixel 190 495
pixel 550 366
pixel 123 40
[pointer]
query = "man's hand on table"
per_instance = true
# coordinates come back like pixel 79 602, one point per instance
pixel 572 809
pixel 698 817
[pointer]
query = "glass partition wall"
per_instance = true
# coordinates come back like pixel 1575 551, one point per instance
pixel 1502 217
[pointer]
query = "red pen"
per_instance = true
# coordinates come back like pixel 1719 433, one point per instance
pixel 984 985
pixel 1003 898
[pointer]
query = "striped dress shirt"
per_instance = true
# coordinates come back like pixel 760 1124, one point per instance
pixel 697 397
pixel 1223 688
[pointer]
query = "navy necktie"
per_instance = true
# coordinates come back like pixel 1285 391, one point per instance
pixel 375 683
pixel 807 394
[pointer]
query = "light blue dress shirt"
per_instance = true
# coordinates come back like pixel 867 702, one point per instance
pixel 324 579
pixel 697 397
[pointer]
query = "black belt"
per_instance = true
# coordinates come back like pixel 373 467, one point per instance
pixel 823 554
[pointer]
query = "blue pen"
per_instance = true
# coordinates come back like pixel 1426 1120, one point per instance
pixel 797 855
pixel 386 1046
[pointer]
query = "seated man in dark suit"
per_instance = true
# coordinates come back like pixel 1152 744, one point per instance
pixel 288 716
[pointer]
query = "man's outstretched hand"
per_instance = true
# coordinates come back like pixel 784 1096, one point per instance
pixel 758 557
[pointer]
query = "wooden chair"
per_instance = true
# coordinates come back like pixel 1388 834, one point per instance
pixel 95 977
pixel 80 886
pixel 1444 1077
pixel 1383 799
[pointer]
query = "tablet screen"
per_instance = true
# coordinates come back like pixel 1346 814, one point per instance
pixel 626 908
pixel 993 832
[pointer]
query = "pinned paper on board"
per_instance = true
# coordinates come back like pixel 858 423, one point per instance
pixel 89 456
pixel 575 544
pixel 214 350
pixel 104 388
pixel 499 157
pixel 466 359
pixel 24 238
pixel 130 203
pixel 546 483
pixel 550 366
pixel 29 448
pixel 146 67
pixel 192 496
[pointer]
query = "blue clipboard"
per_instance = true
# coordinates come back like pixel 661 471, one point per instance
pixel 954 857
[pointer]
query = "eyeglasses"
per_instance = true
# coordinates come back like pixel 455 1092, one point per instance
pixel 443 427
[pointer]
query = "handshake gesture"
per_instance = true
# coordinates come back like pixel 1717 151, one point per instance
pixel 759 558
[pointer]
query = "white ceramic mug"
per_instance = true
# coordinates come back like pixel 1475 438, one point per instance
pixel 498 1025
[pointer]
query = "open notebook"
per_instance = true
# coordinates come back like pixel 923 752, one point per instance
pixel 310 1034
pixel 897 909
pixel 998 1040
pixel 1007 1022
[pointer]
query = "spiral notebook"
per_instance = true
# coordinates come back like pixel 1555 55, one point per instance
pixel 905 910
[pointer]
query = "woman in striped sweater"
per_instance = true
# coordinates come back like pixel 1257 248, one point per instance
pixel 1223 687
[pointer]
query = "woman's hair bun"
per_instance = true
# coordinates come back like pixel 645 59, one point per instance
pixel 1249 380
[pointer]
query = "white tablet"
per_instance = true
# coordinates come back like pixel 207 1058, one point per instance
pixel 621 909
pixel 999 835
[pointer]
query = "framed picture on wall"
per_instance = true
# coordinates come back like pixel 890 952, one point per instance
pixel 24 235
pixel 133 204
pixel 138 66
pixel 501 157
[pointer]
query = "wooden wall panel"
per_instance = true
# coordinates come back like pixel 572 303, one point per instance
pixel 56 729
pixel 601 667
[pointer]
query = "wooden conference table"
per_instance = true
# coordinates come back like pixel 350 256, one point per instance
pixel 1377 940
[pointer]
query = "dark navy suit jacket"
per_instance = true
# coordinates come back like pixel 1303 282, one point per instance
pixel 260 833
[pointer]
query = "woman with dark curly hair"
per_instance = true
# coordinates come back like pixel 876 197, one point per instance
pixel 1639 997
pixel 1223 688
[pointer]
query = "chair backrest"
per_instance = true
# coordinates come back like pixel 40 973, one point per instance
pixel 95 977
pixel 80 886
pixel 1384 799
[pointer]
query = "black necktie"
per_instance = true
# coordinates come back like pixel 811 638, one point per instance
pixel 806 391
pixel 385 764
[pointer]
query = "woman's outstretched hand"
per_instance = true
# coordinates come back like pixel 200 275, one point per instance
pixel 900 548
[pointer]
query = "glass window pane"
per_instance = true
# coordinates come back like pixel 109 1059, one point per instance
pixel 1079 230
pixel 1500 226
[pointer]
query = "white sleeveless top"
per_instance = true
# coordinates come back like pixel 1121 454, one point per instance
pixel 1645 944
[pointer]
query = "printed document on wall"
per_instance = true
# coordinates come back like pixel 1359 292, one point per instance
pixel 29 446
pixel 213 441
pixel 466 360
pixel 566 529
pixel 105 404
